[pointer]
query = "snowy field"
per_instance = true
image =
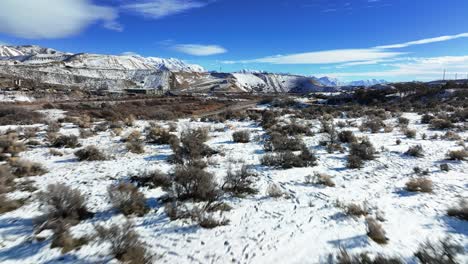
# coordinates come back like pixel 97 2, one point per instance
pixel 304 225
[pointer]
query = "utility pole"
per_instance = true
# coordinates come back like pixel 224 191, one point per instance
pixel 444 75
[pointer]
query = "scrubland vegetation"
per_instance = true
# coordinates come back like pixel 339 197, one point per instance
pixel 367 181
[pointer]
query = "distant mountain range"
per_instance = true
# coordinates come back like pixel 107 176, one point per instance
pixel 119 72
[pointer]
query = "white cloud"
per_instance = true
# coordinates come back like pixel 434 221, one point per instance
pixel 52 18
pixel 417 68
pixel 161 8
pixel 199 50
pixel 130 53
pixel 423 41
pixel 326 57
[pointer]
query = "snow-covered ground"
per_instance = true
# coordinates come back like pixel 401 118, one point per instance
pixel 303 228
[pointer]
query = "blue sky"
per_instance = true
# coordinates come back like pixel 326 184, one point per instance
pixel 348 39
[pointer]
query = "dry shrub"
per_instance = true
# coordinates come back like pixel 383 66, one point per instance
pixel 457 155
pixel 363 258
pixel 126 198
pixel 321 179
pixel 63 239
pixel 354 209
pixel 152 179
pixel 450 135
pixel 90 153
pixel 365 150
pixel 10 145
pixel 374 124
pixel 346 136
pixel 375 231
pixel 273 190
pixel 426 119
pixel 12 115
pixel 419 185
pixel 409 133
pixel 403 121
pixel 7 179
pixel 239 182
pixel 86 133
pixel 206 220
pixel 193 182
pixel 135 135
pixel 444 167
pixel 158 135
pixel 287 159
pixel 8 205
pixel 191 146
pixel 63 204
pixel 135 146
pixel 125 243
pixel 459 211
pixel 415 151
pixel 442 252
pixel 441 124
pixel 53 127
pixel 30 132
pixel 279 142
pixel 241 136
pixel 354 162
pixel 24 168
pixel 55 152
pixel 65 141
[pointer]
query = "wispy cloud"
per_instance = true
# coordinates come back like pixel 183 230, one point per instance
pixel 199 50
pixel 416 68
pixel 53 18
pixel 157 9
pixel 347 57
pixel 423 41
pixel 326 57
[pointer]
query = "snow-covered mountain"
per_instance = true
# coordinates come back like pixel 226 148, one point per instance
pixel 37 55
pixel 335 82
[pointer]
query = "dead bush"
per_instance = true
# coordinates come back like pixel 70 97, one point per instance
pixel 273 190
pixel 287 159
pixel 459 211
pixel 62 204
pixel 241 136
pixel 90 153
pixel 86 133
pixel 125 243
pixel 63 239
pixel 374 124
pixel 442 252
pixel 55 152
pixel 206 220
pixel 457 155
pixel 153 179
pixel 135 135
pixel 24 168
pixel 375 231
pixel 365 150
pixel 12 115
pixel 409 133
pixel 363 258
pixel 354 162
pixel 191 146
pixel 419 185
pixel 321 179
pixel 158 135
pixel 450 135
pixel 346 136
pixel 193 182
pixel 279 142
pixel 53 127
pixel 444 167
pixel 356 210
pixel 65 141
pixel 126 198
pixel 239 182
pixel 9 144
pixel 403 121
pixel 415 151
pixel 426 119
pixel 6 179
pixel 8 205
pixel 441 124
pixel 135 146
